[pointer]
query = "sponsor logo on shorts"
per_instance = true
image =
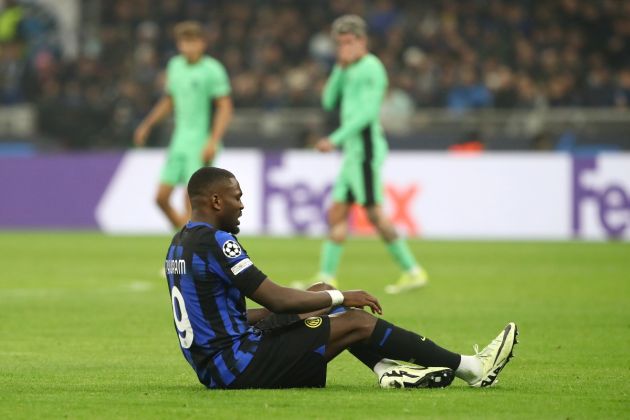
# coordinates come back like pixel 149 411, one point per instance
pixel 313 322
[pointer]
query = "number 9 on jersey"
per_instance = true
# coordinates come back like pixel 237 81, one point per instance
pixel 184 329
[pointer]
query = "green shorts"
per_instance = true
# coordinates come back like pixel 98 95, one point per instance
pixel 360 183
pixel 180 166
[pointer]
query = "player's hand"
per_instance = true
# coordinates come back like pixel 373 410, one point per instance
pixel 324 145
pixel 344 57
pixel 360 299
pixel 208 153
pixel 141 134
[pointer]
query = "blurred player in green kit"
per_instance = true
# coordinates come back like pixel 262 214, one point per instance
pixel 197 86
pixel 357 85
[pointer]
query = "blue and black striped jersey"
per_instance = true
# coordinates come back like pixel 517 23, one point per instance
pixel 209 274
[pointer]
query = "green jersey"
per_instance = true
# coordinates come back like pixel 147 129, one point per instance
pixel 193 88
pixel 360 87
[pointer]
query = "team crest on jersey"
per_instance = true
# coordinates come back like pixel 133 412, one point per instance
pixel 313 322
pixel 231 249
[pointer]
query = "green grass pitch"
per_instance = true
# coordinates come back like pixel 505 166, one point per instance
pixel 86 330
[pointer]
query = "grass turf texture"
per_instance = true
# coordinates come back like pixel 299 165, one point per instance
pixel 86 330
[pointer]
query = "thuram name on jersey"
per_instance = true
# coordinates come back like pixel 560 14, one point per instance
pixel 175 266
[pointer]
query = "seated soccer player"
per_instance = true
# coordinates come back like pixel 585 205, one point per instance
pixel 209 275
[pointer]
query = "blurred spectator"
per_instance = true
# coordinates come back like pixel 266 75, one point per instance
pixel 398 106
pixel 528 93
pixel 622 96
pixel 459 54
pixel 10 19
pixel 543 142
pixel 600 88
pixel 561 90
pixel 12 71
pixel 501 82
pixel 469 92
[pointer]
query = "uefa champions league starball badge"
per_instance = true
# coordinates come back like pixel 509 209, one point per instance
pixel 231 249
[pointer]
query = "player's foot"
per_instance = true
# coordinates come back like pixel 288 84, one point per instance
pixel 403 376
pixel 408 281
pixel 495 356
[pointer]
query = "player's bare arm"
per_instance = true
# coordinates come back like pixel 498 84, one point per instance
pixel 157 114
pixel 257 314
pixel 279 299
pixel 223 116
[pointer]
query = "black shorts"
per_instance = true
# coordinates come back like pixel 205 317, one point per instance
pixel 289 357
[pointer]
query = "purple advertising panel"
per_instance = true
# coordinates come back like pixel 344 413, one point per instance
pixel 432 195
pixel 54 191
pixel 601 185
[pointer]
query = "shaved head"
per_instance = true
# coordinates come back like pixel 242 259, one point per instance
pixel 206 181
pixel 215 198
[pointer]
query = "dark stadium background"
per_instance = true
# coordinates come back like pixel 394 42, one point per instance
pixel 512 75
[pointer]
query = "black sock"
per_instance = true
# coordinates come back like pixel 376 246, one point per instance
pixel 365 354
pixel 399 344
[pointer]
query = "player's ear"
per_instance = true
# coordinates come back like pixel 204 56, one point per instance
pixel 215 202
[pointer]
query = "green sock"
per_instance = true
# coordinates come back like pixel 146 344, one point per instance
pixel 331 256
pixel 401 253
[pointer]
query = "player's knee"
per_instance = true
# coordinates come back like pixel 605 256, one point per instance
pixel 338 232
pixel 337 213
pixel 337 236
pixel 362 322
pixel 320 287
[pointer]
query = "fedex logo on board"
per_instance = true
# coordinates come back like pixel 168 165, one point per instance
pixel 301 202
pixel 608 200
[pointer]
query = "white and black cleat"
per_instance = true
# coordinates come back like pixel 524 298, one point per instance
pixel 496 355
pixel 403 376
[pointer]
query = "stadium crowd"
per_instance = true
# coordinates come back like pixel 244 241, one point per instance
pixel 459 54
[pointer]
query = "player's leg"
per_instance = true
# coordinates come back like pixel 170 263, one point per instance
pixel 381 223
pixel 368 187
pixel 361 351
pixel 358 327
pixel 414 377
pixel 332 248
pixel 353 331
pixel 289 356
pixel 192 164
pixel 413 275
pixel 172 175
pixel 163 200
pixel 373 360
pixel 185 217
